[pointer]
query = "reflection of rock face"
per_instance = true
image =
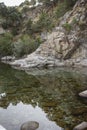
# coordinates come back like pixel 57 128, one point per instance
pixel 62 44
pixel 55 92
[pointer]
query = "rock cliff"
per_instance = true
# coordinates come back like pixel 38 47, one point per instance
pixel 66 45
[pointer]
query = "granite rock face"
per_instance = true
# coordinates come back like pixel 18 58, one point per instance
pixel 83 94
pixel 2 31
pixel 81 126
pixel 66 45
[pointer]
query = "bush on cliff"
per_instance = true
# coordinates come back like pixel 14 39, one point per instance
pixel 5 44
pixel 25 45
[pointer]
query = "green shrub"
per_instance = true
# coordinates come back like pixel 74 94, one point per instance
pixel 82 25
pixel 25 45
pixel 44 23
pixel 67 27
pixel 70 3
pixel 13 20
pixel 74 21
pixel 61 9
pixel 5 44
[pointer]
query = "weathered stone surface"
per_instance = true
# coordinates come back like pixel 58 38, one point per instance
pixel 31 125
pixel 8 58
pixel 2 31
pixel 2 95
pixel 62 47
pixel 83 94
pixel 81 126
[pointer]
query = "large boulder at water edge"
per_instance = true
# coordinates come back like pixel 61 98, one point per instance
pixel 30 125
pixel 82 126
pixel 83 94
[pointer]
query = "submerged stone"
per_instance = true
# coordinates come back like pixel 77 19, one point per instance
pixel 30 125
pixel 83 94
pixel 81 126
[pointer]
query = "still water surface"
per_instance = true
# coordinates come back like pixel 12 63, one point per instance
pixel 49 97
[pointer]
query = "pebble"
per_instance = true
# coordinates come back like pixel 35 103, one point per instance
pixel 30 125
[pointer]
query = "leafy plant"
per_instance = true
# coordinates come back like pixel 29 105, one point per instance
pixel 5 44
pixel 67 27
pixel 61 9
pixel 45 22
pixel 25 45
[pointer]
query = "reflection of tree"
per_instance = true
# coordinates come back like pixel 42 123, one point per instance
pixel 54 93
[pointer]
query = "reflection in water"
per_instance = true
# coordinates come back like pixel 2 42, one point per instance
pixel 10 119
pixel 43 96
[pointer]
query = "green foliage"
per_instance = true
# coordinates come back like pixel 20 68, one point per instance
pixel 44 22
pixel 12 20
pixel 74 21
pixel 3 10
pixel 61 9
pixel 49 2
pixel 33 2
pixel 82 25
pixel 29 26
pixel 70 3
pixel 5 44
pixel 25 9
pixel 67 27
pixel 25 45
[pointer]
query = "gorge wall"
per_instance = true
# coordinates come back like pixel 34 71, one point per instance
pixel 66 45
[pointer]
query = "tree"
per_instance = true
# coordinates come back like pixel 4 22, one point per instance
pixel 33 2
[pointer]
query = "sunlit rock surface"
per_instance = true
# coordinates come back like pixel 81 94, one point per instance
pixel 82 126
pixel 83 94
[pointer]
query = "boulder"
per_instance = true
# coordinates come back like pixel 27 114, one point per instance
pixel 83 94
pixel 30 125
pixel 2 31
pixel 2 94
pixel 8 58
pixel 81 126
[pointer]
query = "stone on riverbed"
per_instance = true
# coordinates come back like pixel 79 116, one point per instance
pixel 83 94
pixel 30 125
pixel 81 126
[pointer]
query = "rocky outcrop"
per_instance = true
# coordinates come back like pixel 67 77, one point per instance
pixel 81 126
pixel 8 58
pixel 65 45
pixel 2 95
pixel 2 31
pixel 83 94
